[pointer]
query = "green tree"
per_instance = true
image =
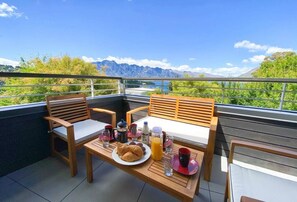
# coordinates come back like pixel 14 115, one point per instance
pixel 260 94
pixel 278 65
pixel 188 88
pixel 41 86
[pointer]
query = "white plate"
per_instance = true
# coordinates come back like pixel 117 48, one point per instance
pixel 147 155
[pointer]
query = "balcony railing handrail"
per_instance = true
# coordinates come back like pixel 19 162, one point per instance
pixel 37 75
pixel 234 79
pixel 38 85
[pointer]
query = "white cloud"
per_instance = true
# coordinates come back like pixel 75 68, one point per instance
pixel 245 61
pixel 249 45
pixel 252 47
pixel 229 64
pixel 4 61
pixel 232 71
pixel 255 59
pixel 272 50
pixel 88 59
pixel 224 71
pixel 9 11
pixel 192 59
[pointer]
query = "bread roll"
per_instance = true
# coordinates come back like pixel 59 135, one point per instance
pixel 129 153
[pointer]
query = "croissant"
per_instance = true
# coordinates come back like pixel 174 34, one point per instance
pixel 129 153
pixel 122 149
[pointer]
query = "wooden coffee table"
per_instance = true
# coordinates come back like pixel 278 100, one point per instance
pixel 181 186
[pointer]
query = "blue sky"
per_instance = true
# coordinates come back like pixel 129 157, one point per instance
pixel 225 37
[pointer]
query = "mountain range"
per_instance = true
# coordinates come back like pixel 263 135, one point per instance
pixel 135 71
pixel 125 70
pixel 8 68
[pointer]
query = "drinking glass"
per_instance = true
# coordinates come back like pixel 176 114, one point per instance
pixel 133 131
pixel 105 137
pixel 167 161
pixel 168 143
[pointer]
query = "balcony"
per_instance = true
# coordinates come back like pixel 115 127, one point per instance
pixel 28 173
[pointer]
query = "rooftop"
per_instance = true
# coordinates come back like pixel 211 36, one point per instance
pixel 28 173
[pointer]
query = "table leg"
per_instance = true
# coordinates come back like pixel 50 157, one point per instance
pixel 89 166
pixel 198 186
pixel 187 200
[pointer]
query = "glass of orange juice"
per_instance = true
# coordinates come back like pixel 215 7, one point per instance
pixel 157 143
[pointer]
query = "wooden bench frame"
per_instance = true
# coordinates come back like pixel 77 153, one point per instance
pixel 254 146
pixel 196 111
pixel 63 112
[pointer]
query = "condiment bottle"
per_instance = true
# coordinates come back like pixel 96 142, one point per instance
pixel 157 143
pixel 145 133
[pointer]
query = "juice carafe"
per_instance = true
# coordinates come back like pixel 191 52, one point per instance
pixel 157 143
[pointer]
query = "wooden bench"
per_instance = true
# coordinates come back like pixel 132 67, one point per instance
pixel 190 120
pixel 69 120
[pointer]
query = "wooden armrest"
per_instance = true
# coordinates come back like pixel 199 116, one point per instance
pixel 129 113
pixel 112 113
pixel 69 127
pixel 260 147
pixel 214 123
pixel 58 120
pixel 249 199
pixel 102 110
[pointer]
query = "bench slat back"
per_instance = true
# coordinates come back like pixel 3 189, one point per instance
pixel 71 108
pixel 197 111
pixel 162 107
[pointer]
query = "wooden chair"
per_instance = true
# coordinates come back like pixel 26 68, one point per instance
pixel 69 120
pixel 248 183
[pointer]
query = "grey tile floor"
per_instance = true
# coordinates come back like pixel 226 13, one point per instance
pixel 49 180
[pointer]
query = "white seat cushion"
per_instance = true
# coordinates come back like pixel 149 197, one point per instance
pixel 259 185
pixel 192 134
pixel 83 130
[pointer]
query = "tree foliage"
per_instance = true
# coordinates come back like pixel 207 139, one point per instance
pixel 278 65
pixel 260 94
pixel 34 89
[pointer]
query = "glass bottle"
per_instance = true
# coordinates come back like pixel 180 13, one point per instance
pixel 145 133
pixel 157 143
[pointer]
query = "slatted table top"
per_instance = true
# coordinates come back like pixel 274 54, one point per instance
pixel 152 172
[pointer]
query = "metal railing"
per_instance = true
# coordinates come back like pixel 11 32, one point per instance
pixel 281 94
pixel 276 93
pixel 22 88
